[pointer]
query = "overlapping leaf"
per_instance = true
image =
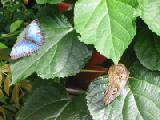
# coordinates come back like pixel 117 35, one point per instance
pixel 138 100
pixel 150 13
pixel 108 24
pixel 52 103
pixel 147 49
pixel 61 55
pixel 76 110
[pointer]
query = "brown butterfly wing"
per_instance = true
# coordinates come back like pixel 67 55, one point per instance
pixel 118 76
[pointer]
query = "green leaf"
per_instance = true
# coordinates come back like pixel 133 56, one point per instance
pixel 76 110
pixel 148 50
pixel 52 103
pixel 107 24
pixel 48 1
pixel 61 55
pixel 4 54
pixel 15 25
pixel 2 45
pixel 45 102
pixel 150 13
pixel 140 72
pixel 139 100
pixel 133 3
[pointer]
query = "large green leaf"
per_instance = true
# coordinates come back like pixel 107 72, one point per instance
pixel 150 13
pixel 45 102
pixel 61 55
pixel 147 49
pixel 139 100
pixel 108 24
pixel 52 103
pixel 48 1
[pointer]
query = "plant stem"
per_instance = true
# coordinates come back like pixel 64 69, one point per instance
pixel 133 78
pixel 86 70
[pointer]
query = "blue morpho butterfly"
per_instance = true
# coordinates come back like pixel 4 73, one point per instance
pixel 31 42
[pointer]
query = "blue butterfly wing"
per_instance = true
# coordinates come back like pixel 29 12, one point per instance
pixel 34 33
pixel 23 48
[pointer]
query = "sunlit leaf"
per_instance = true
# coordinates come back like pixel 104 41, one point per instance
pixel 107 24
pixel 133 3
pixel 150 13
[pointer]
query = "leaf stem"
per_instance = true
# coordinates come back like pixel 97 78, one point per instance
pixel 133 77
pixel 75 91
pixel 86 70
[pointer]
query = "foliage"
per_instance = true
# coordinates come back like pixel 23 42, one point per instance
pixel 48 1
pixel 148 42
pixel 123 31
pixel 60 56
pixel 2 45
pixel 10 97
pixel 135 101
pixel 15 25
pixel 150 18
pixel 114 28
pixel 51 102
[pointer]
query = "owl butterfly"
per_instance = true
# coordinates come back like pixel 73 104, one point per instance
pixel 30 43
pixel 117 78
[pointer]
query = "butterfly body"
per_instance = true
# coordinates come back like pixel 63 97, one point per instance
pixel 30 43
pixel 118 77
